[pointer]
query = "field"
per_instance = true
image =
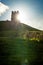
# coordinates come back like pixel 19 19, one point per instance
pixel 18 50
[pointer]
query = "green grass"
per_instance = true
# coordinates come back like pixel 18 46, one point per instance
pixel 16 50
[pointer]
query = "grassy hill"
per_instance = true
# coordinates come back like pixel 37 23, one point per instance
pixel 16 50
pixel 13 30
pixel 8 25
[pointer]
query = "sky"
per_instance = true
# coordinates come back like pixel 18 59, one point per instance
pixel 32 8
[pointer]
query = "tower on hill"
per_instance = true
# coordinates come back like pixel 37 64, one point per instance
pixel 14 16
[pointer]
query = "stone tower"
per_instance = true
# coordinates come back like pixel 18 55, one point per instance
pixel 14 16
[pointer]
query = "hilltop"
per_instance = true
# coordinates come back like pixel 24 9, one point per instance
pixel 9 25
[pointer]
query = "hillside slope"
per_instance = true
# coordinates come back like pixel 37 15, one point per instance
pixel 8 25
pixel 20 30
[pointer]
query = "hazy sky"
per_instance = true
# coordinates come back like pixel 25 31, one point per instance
pixel 33 8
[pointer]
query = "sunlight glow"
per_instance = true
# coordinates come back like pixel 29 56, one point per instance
pixel 22 16
pixel 23 13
